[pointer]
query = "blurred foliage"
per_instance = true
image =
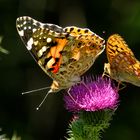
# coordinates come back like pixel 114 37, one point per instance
pixel 14 137
pixel 2 49
pixel 19 72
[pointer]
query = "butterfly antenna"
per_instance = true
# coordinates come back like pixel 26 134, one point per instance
pixel 35 90
pixel 104 32
pixel 50 91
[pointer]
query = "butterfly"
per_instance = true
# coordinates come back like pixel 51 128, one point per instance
pixel 64 54
pixel 123 65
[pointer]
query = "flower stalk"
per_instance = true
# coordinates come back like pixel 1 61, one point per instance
pixel 93 103
pixel 90 125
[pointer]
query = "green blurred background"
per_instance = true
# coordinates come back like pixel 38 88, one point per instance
pixel 19 72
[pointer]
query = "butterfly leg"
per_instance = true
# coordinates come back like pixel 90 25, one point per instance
pixel 106 70
pixel 85 85
pixel 71 96
pixel 80 82
pixel 123 86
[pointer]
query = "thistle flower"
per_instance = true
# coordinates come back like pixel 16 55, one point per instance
pixel 92 95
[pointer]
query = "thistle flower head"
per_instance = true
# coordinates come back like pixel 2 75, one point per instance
pixel 92 95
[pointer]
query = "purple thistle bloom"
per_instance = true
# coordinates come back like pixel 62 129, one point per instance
pixel 92 95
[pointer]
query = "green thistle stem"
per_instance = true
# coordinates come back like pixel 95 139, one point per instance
pixel 90 125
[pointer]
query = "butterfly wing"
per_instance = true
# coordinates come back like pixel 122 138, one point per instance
pixel 123 66
pixel 75 31
pixel 118 54
pixel 64 54
pixel 127 70
pixel 115 46
pixel 44 41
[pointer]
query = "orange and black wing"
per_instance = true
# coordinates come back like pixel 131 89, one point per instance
pixel 45 42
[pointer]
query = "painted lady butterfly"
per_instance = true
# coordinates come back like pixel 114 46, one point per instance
pixel 122 66
pixel 63 53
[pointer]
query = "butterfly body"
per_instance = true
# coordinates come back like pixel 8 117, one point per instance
pixel 64 54
pixel 122 66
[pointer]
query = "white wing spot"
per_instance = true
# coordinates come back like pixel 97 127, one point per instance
pixel 57 34
pixel 35 43
pixel 44 48
pixel 34 30
pixel 44 37
pixel 30 43
pixel 21 33
pixel 51 32
pixel 18 25
pixel 41 51
pixel 49 40
pixel 24 22
pixel 25 28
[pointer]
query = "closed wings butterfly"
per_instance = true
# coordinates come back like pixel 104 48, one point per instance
pixel 123 65
pixel 64 54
